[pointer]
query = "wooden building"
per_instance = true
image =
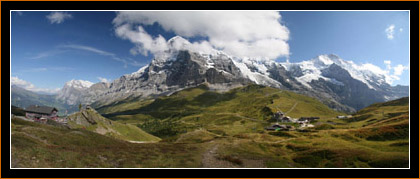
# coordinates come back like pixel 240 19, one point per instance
pixel 36 112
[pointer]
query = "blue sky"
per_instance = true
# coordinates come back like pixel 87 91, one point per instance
pixel 49 49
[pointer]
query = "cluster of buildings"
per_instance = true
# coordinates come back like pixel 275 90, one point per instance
pixel 43 114
pixel 344 117
pixel 281 117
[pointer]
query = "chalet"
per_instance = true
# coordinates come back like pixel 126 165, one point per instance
pixel 286 119
pixel 36 112
pixel 344 117
pixel 302 120
pixel 309 119
pixel 278 115
pixel 306 125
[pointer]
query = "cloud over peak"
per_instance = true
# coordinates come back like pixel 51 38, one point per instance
pixel 399 69
pixel 256 34
pixel 391 73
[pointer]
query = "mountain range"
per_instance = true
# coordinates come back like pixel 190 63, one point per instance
pixel 341 85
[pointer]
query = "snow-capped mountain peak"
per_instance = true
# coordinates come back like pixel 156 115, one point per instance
pixel 72 90
pixel 80 84
pixel 178 43
pixel 140 71
pixel 369 74
pixel 323 60
pixel 183 64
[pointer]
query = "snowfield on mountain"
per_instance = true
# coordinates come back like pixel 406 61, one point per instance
pixel 342 85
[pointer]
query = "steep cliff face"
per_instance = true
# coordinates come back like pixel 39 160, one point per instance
pixel 182 69
pixel 342 85
pixel 335 82
pixel 347 90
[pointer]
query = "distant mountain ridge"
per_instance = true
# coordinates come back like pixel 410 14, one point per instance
pixel 23 98
pixel 337 83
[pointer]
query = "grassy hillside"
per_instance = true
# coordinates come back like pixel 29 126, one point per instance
pixel 238 117
pixel 241 110
pixel 381 114
pixel 203 128
pixel 90 120
pixel 37 145
pixel 383 121
pixel 250 101
pixel 372 142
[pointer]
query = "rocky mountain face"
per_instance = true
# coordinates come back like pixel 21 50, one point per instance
pixel 287 76
pixel 340 84
pixel 347 83
pixel 183 69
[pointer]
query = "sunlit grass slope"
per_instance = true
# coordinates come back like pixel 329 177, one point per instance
pixel 90 120
pixel 245 109
pixel 37 145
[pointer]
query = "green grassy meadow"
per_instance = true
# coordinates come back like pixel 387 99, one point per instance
pixel 203 128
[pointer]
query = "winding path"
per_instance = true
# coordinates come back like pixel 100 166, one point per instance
pixel 210 160
pixel 291 109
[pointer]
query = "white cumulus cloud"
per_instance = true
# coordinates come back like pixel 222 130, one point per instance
pixel 58 17
pixel 390 32
pixel 256 34
pixel 374 68
pixel 144 42
pixel 388 64
pixel 14 80
pixel 399 69
pixel 390 73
